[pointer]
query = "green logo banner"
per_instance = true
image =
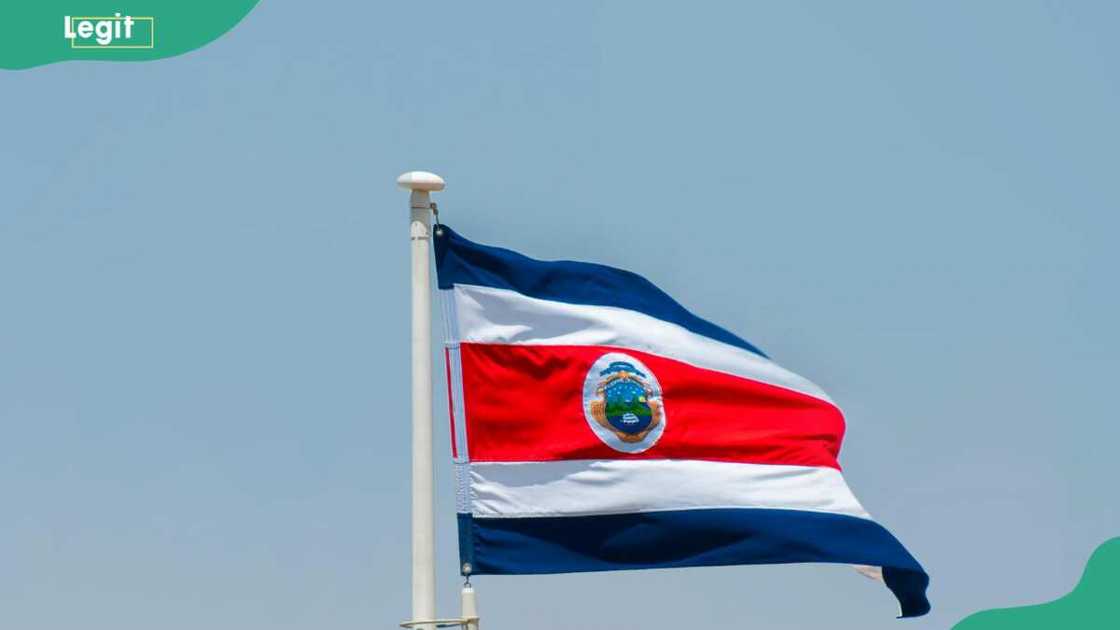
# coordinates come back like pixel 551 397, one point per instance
pixel 1092 604
pixel 47 31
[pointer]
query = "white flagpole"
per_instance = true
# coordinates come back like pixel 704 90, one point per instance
pixel 421 184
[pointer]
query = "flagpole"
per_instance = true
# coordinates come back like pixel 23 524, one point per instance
pixel 421 184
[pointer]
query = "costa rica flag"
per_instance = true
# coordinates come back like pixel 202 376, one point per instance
pixel 596 424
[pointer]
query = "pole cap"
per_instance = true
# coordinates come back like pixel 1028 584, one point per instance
pixel 420 181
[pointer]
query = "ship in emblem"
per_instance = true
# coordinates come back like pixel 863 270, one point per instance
pixel 623 403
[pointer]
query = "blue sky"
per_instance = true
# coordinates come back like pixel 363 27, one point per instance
pixel 204 268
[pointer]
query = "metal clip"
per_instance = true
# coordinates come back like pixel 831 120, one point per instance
pixel 435 214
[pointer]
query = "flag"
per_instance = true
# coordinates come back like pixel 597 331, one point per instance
pixel 596 424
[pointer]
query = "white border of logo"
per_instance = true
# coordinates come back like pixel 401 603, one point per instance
pixel 591 382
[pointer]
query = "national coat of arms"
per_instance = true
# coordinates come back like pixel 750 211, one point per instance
pixel 623 404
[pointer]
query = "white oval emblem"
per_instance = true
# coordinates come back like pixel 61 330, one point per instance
pixel 622 403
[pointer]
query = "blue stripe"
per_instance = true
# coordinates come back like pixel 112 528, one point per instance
pixel 459 261
pixel 690 538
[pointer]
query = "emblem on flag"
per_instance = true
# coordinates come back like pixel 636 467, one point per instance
pixel 622 403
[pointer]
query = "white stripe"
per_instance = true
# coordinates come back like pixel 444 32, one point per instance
pixel 489 315
pixel 588 487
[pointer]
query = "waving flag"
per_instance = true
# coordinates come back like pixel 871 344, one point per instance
pixel 598 425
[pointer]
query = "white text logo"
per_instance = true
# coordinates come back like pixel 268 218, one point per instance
pixel 114 31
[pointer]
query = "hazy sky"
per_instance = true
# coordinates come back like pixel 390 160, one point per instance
pixel 204 291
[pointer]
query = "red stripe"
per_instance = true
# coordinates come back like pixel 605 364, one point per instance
pixel 525 403
pixel 450 402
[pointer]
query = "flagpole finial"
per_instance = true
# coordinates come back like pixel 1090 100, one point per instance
pixel 420 180
pixel 420 183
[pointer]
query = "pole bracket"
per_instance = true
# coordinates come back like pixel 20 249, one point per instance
pixel 462 622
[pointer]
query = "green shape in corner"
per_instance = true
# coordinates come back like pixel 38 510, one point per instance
pixel 1093 604
pixel 39 32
